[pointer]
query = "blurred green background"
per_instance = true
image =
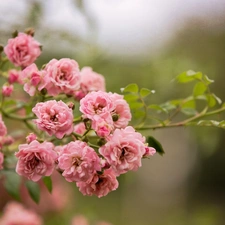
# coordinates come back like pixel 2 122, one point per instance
pixel 148 43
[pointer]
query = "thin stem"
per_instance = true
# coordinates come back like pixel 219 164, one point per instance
pixel 186 122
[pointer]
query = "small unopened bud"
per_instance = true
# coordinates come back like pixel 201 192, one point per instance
pixel 30 31
pixel 149 151
pixel 71 105
pixel 87 123
pixel 15 34
pixel 7 90
pixel 115 117
pixel 1 48
pixel 101 141
pixel 44 91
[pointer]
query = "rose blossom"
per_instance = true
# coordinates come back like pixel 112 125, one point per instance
pixel 96 103
pixel 100 185
pixel 62 76
pixel 7 90
pixel 16 214
pixel 1 160
pixel 90 81
pixel 54 118
pixel 31 78
pixel 22 50
pixel 35 160
pixel 14 76
pixel 78 161
pixel 121 114
pixel 124 150
pixel 3 129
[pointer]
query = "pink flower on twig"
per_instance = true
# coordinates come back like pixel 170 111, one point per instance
pixel 78 161
pixel 124 150
pixel 36 160
pixel 100 185
pixel 54 118
pixel 62 76
pixel 22 50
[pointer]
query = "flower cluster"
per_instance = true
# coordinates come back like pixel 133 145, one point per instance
pixel 91 146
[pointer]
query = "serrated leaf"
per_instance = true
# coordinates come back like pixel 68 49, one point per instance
pixel 131 88
pixel 189 76
pixel 12 184
pixel 189 111
pixel 34 190
pixel 145 92
pixel 199 89
pixel 136 105
pixel 48 183
pixel 152 142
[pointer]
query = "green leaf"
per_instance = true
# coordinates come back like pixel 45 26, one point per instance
pixel 139 114
pixel 189 104
pixel 48 183
pixel 189 111
pixel 145 92
pixel 189 76
pixel 12 183
pixel 136 105
pixel 176 101
pixel 207 80
pixel 158 108
pixel 219 101
pixel 168 106
pixel 152 142
pixel 130 88
pixel 211 100
pixel 131 97
pixel 34 190
pixel 199 89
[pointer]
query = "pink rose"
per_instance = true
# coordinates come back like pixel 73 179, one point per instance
pixel 22 50
pixel 121 114
pixel 124 150
pixel 3 129
pixel 78 161
pixel 90 81
pixel 1 160
pixel 62 76
pixel 36 160
pixel 54 118
pixel 16 214
pixel 102 127
pixel 7 90
pixel 31 78
pixel 96 103
pixel 14 76
pixel 100 185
